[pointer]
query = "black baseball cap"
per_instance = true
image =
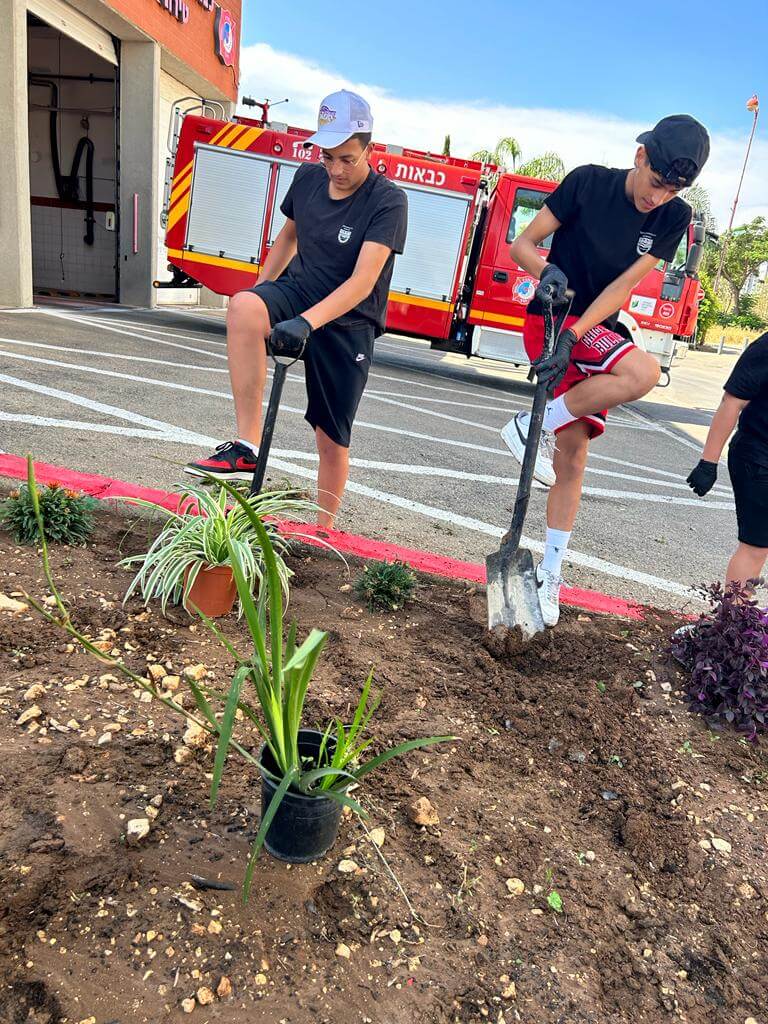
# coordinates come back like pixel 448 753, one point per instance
pixel 678 148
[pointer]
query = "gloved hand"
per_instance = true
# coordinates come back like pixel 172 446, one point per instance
pixel 552 285
pixel 702 477
pixel 289 338
pixel 552 370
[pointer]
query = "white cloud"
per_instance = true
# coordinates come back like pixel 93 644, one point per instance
pixel 579 137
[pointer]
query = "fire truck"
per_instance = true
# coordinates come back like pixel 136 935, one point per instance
pixel 455 285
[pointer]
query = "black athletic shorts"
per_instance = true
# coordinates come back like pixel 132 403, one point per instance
pixel 336 360
pixel 750 489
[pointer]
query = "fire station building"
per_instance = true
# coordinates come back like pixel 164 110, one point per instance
pixel 87 89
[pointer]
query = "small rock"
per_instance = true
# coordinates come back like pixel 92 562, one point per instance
pixel 195 736
pixel 10 604
pixel 395 936
pixel 35 691
pixel 378 836
pixel 29 714
pixel 422 812
pixel 106 737
pixel 722 845
pixel 136 830
pixel 609 794
pixel 224 988
pixel 204 996
pixel 745 890
pixel 182 754
pixel 705 844
pixel 750 1020
pixel 665 687
pixel 260 979
pixel 194 905
pixel 195 672
pixel 188 1005
pixel 343 950
pixel 577 756
pixel 516 886
pixel 482 940
pixel 156 672
pixel 589 855
pixel 172 682
pixel 553 745
pixel 347 867
pixel 215 927
pixel 509 991
pixel 157 801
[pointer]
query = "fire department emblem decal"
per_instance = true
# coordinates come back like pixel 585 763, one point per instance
pixel 345 233
pixel 224 36
pixel 524 290
pixel 644 243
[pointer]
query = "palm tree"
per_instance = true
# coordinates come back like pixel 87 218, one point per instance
pixel 508 152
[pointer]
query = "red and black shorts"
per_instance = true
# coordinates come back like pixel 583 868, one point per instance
pixel 597 352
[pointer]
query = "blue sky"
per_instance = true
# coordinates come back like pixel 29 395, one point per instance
pixel 635 61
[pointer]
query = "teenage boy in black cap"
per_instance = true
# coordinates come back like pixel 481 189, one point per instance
pixel 610 229
pixel 745 398
pixel 327 275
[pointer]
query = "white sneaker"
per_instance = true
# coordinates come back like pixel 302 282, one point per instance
pixel 549 595
pixel 515 434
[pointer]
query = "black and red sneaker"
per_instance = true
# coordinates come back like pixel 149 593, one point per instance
pixel 230 461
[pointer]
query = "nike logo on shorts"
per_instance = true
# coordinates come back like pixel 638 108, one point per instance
pixel 359 357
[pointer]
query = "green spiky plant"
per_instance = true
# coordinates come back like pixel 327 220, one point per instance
pixel 385 586
pixel 202 530
pixel 279 670
pixel 67 515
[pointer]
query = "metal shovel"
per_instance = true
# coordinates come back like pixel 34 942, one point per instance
pixel 512 591
pixel 268 429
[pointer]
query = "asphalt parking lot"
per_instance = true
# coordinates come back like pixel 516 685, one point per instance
pixel 135 393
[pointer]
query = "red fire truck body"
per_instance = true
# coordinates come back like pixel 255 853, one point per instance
pixel 455 284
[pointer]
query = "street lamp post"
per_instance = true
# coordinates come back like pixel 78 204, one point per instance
pixel 753 105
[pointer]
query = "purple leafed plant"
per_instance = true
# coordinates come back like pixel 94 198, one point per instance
pixel 726 654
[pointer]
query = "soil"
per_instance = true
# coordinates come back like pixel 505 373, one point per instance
pixel 577 773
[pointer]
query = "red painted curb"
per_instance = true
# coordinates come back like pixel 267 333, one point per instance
pixel 103 487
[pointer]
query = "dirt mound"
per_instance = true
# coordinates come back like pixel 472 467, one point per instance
pixel 600 855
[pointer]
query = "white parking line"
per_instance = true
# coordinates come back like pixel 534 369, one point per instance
pixel 428 511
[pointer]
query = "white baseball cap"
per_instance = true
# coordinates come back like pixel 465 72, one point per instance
pixel 341 115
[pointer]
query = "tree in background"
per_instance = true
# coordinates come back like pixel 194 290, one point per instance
pixel 447 146
pixel 508 154
pixel 698 199
pixel 549 167
pixel 747 251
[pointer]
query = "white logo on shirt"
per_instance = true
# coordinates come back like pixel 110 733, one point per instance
pixel 644 243
pixel 345 233
pixel 359 357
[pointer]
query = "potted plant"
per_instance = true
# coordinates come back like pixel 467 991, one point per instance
pixel 306 774
pixel 189 560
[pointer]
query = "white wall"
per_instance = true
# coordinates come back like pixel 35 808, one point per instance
pixel 61 260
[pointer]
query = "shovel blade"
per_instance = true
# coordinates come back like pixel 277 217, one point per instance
pixel 512 593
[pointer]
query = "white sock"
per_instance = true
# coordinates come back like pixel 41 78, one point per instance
pixel 556 414
pixel 555 547
pixel 247 444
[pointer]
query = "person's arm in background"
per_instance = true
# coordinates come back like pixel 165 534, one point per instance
pixel 702 478
pixel 281 253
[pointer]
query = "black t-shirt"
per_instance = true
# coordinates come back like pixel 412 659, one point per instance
pixel 331 232
pixel 602 233
pixel 749 380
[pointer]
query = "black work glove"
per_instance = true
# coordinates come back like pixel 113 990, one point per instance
pixel 552 285
pixel 702 478
pixel 289 338
pixel 551 371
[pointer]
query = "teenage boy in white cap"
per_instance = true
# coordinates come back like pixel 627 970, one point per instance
pixel 327 275
pixel 610 229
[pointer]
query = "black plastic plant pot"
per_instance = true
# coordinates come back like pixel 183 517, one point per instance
pixel 304 827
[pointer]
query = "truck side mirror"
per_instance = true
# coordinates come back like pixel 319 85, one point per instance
pixel 693 262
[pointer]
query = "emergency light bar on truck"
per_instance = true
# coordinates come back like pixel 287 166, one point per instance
pixel 455 284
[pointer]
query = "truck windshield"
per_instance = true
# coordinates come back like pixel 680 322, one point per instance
pixel 528 202
pixel 679 259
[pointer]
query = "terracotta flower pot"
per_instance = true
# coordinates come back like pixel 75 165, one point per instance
pixel 213 592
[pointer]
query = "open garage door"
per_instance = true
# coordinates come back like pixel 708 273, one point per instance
pixel 63 17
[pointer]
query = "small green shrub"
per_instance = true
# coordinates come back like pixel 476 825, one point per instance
pixel 385 586
pixel 67 515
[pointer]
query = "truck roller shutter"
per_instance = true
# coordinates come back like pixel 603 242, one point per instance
pixel 219 221
pixel 285 175
pixel 63 17
pixel 433 248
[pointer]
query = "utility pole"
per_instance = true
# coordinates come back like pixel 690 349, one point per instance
pixel 753 105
